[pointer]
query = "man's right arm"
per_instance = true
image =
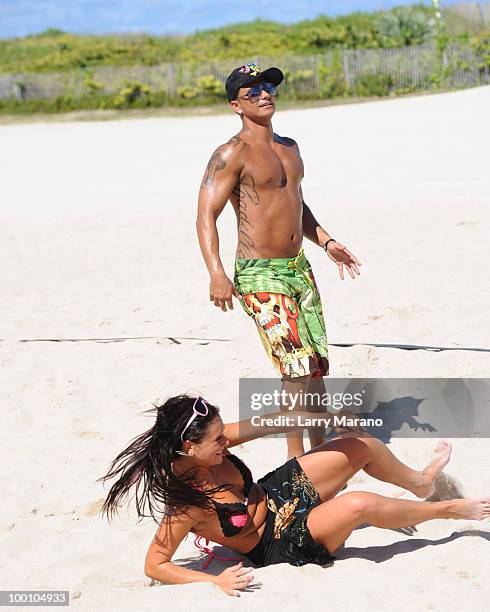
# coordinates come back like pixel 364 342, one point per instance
pixel 221 176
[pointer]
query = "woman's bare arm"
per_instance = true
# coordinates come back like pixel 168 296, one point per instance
pixel 251 429
pixel 158 563
pixel 159 566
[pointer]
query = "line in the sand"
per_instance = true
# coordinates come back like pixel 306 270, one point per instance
pixel 178 339
pixel 415 347
pixel 173 339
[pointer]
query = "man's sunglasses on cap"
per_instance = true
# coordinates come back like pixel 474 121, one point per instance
pixel 254 92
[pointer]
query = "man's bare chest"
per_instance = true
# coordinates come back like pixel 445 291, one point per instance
pixel 271 168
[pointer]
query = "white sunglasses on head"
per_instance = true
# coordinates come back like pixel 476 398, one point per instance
pixel 195 413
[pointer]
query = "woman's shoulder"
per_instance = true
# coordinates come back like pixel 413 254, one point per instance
pixel 190 519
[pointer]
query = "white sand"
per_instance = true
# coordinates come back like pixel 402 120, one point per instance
pixel 98 241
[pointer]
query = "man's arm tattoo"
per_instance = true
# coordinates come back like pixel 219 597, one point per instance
pixel 236 140
pixel 215 164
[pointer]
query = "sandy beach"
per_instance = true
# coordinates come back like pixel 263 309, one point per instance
pixel 99 252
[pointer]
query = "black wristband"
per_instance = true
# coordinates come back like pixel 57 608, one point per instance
pixel 326 243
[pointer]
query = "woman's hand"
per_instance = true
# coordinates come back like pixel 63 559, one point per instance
pixel 234 579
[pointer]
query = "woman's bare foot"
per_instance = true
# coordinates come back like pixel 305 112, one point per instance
pixel 473 509
pixel 425 487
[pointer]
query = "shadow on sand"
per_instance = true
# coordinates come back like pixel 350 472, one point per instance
pixel 394 415
pixel 376 554
pixel 379 554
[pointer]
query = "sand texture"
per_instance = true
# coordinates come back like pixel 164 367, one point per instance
pixel 98 247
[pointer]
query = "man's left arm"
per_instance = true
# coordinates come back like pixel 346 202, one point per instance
pixel 311 228
pixel 337 252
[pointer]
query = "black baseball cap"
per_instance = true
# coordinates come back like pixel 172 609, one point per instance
pixel 246 75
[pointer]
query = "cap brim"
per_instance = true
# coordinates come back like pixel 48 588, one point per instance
pixel 272 75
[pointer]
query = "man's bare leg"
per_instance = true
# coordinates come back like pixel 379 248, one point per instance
pixel 294 387
pixel 316 386
pixel 298 387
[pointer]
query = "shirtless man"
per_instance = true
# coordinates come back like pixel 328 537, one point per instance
pixel 260 173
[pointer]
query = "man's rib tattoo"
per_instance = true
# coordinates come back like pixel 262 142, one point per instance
pixel 247 194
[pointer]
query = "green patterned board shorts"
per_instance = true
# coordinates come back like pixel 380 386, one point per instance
pixel 282 298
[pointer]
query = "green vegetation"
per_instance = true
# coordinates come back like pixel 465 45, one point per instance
pixel 69 103
pixel 55 71
pixel 55 50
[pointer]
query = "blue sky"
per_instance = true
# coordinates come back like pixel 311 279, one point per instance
pixel 21 17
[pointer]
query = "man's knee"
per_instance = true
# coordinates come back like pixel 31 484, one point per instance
pixel 294 387
pixel 295 380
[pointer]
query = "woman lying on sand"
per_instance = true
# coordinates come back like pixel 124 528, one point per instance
pixel 292 514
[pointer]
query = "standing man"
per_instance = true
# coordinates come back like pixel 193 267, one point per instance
pixel 260 173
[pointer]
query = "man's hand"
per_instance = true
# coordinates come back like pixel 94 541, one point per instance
pixel 342 257
pixel 221 292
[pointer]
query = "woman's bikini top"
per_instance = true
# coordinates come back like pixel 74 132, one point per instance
pixel 233 517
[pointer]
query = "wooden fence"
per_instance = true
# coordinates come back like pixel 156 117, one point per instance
pixel 337 72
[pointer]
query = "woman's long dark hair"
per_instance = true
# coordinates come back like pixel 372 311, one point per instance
pixel 146 464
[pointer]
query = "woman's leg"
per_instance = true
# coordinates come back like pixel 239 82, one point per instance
pixel 332 464
pixel 332 522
